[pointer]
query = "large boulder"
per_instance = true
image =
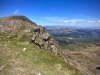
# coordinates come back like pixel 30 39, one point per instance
pixel 44 40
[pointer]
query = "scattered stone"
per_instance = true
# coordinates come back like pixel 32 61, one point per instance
pixel 5 45
pixel 24 49
pixel 54 49
pixel 34 37
pixel 27 42
pixel 8 37
pixel 39 73
pixel 2 67
pixel 20 69
pixel 8 41
pixel 27 30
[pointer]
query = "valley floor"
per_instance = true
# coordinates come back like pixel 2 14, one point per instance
pixel 89 58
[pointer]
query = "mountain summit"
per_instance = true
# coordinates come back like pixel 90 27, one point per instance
pixel 26 28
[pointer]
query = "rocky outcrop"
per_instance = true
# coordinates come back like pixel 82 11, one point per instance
pixel 14 23
pixel 44 40
pixel 37 34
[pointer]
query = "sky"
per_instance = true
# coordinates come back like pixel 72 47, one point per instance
pixel 83 13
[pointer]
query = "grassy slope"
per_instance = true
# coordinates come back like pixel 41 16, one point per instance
pixel 15 61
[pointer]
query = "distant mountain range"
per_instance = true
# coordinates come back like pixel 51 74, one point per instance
pixel 77 33
pixel 73 27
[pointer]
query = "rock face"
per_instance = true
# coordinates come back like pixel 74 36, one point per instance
pixel 37 34
pixel 44 40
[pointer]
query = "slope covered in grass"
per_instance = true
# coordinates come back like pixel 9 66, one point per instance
pixel 23 58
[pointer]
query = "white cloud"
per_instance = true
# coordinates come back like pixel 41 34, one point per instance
pixel 90 21
pixel 99 21
pixel 74 21
pixel 66 21
pixel 16 11
pixel 71 22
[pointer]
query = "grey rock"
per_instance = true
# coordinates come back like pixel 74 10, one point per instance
pixel 54 49
pixel 2 67
pixel 46 36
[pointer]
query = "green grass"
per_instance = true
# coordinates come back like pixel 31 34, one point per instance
pixel 32 61
pixel 67 47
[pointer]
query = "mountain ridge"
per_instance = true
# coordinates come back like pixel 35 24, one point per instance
pixel 17 28
pixel 40 36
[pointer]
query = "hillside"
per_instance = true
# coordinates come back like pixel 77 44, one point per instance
pixel 28 49
pixel 83 45
pixel 25 59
